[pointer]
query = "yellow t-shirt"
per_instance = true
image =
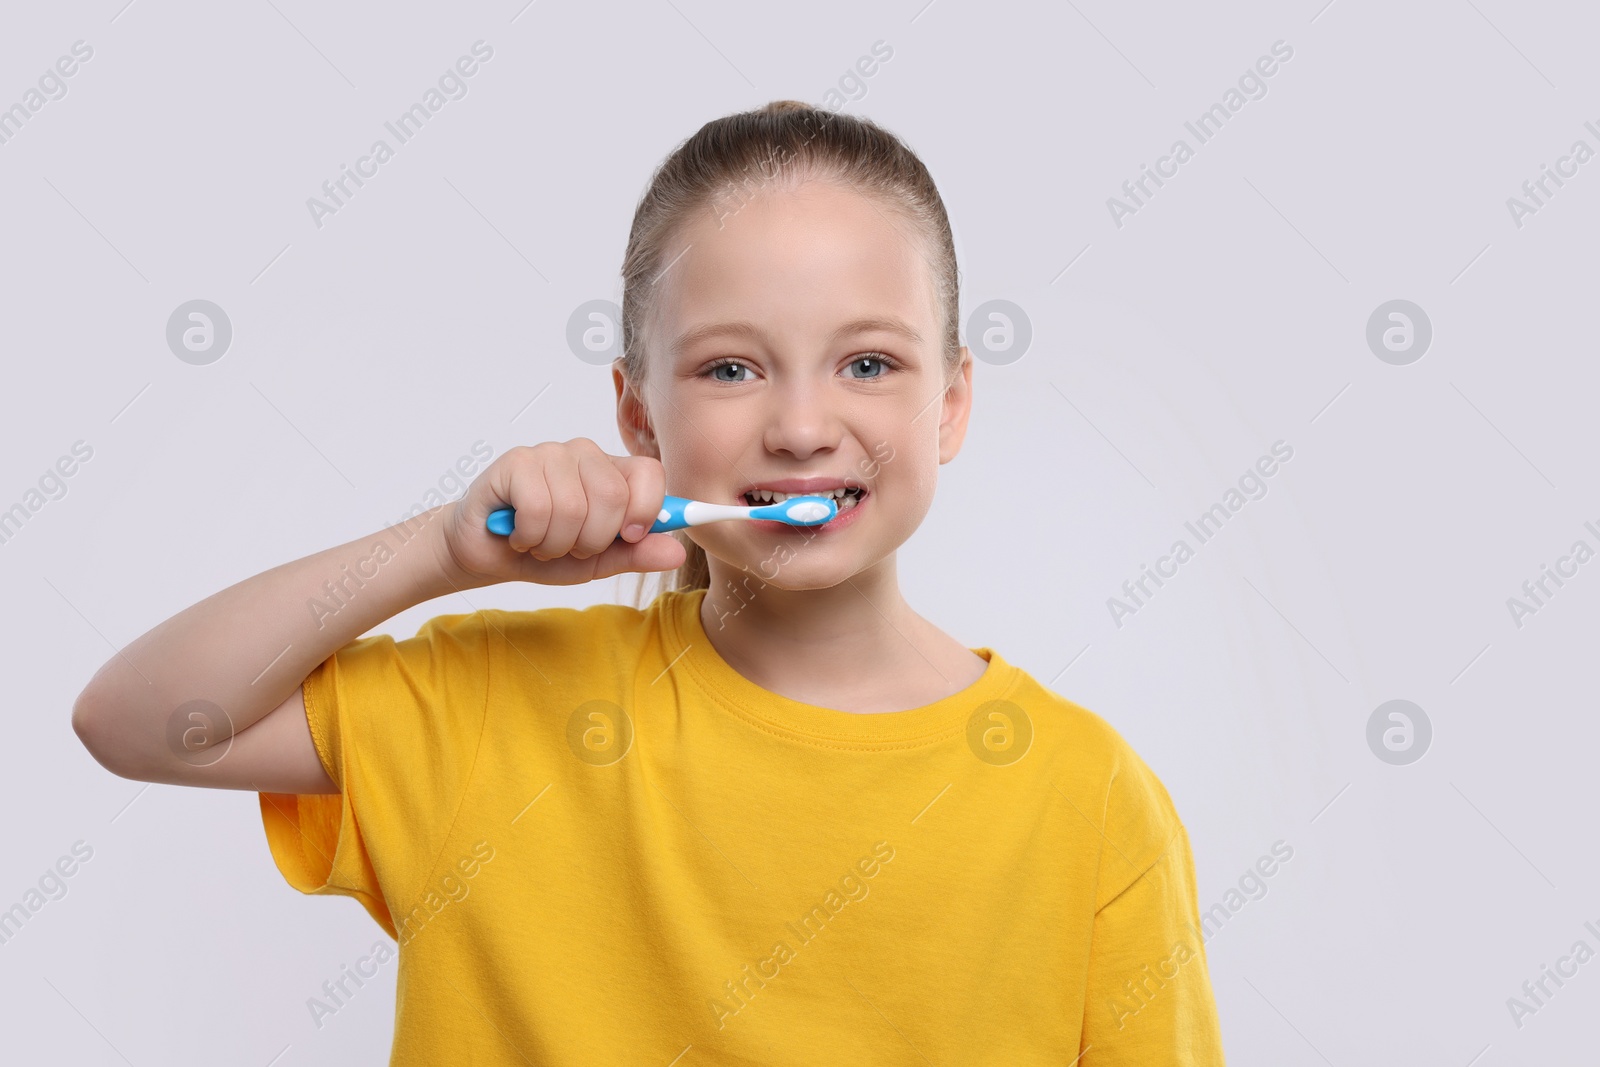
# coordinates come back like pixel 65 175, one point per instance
pixel 596 842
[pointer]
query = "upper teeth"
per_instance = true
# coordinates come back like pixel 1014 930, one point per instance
pixel 769 496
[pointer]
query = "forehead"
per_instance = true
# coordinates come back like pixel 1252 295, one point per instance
pixel 796 261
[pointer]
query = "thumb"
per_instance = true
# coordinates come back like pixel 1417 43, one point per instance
pixel 653 552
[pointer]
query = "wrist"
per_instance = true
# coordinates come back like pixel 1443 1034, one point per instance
pixel 446 574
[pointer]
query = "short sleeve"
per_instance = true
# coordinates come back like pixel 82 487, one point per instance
pixel 396 725
pixel 1149 1002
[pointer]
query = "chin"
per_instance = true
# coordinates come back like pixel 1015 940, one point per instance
pixel 783 567
pixel 793 576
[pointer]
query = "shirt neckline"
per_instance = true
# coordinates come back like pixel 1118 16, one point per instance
pixel 687 640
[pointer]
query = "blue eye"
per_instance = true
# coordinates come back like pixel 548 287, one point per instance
pixel 873 357
pixel 712 370
pixel 865 360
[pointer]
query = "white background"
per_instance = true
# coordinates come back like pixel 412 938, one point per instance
pixel 1168 354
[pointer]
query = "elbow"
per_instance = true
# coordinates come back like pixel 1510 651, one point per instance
pixel 84 722
pixel 89 723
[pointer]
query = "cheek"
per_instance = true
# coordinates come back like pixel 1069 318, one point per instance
pixel 704 469
pixel 691 448
pixel 907 461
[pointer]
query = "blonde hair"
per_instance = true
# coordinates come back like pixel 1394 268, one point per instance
pixel 736 156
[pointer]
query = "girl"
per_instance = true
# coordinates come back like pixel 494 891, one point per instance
pixel 773 817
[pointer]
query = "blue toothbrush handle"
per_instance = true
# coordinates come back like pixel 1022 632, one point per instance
pixel 670 517
pixel 678 512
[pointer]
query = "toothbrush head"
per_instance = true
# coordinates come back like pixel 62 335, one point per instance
pixel 799 511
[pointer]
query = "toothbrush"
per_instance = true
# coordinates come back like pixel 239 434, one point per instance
pixel 678 512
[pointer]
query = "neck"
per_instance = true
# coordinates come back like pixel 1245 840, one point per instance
pixel 854 643
pixel 757 617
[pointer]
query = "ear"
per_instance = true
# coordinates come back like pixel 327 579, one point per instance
pixel 633 421
pixel 956 407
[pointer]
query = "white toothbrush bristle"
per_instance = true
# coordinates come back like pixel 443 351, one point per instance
pixel 808 511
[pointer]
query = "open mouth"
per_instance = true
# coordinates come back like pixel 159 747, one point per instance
pixel 844 498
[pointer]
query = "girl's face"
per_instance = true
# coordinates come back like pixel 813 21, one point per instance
pixel 797 338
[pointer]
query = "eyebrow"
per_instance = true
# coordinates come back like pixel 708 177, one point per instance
pixel 750 331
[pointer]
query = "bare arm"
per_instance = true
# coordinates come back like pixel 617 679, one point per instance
pixel 212 696
pixel 228 671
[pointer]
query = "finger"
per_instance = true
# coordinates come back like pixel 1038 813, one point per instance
pixel 567 505
pixel 657 552
pixel 647 488
pixel 527 492
pixel 607 493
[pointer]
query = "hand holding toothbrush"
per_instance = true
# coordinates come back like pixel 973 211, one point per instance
pixel 578 514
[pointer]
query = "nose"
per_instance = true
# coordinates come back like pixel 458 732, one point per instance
pixel 804 419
